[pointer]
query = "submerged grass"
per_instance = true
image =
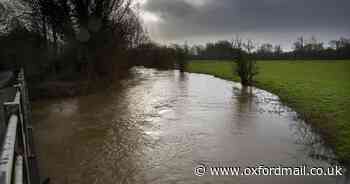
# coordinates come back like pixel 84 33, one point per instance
pixel 317 90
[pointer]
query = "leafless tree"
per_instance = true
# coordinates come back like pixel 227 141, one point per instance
pixel 246 67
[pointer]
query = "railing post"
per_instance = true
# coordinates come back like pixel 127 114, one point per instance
pixel 24 121
pixel 31 162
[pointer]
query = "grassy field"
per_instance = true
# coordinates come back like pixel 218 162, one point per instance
pixel 318 90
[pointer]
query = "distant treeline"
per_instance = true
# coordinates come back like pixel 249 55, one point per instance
pixel 160 56
pixel 302 49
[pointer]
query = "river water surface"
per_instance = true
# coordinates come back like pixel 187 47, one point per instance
pixel 157 126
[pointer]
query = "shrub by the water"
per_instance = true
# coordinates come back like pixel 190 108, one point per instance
pixel 246 68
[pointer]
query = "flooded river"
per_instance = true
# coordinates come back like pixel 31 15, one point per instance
pixel 157 126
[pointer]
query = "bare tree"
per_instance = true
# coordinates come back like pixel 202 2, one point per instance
pixel 278 50
pixel 265 50
pixel 249 46
pixel 237 42
pixel 246 67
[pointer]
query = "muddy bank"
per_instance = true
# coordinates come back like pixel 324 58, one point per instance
pixel 71 88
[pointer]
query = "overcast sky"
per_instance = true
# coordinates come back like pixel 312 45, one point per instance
pixel 274 21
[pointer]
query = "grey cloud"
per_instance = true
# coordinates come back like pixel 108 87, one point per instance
pixel 182 19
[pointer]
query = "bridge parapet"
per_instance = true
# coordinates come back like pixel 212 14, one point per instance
pixel 18 163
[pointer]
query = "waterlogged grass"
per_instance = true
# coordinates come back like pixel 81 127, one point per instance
pixel 318 90
pixel 222 69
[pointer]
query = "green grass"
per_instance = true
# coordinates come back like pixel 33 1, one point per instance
pixel 318 90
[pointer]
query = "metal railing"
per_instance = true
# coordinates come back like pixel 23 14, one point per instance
pixel 17 161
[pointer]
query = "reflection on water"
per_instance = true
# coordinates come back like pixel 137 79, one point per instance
pixel 156 126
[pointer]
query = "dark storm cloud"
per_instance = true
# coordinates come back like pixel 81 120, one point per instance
pixel 185 18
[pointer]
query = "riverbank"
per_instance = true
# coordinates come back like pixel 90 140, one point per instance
pixel 317 90
pixel 66 86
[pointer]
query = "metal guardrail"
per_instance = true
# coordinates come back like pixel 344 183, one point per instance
pixel 8 151
pixel 17 162
pixel 18 176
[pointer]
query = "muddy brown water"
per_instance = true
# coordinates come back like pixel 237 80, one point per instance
pixel 157 126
